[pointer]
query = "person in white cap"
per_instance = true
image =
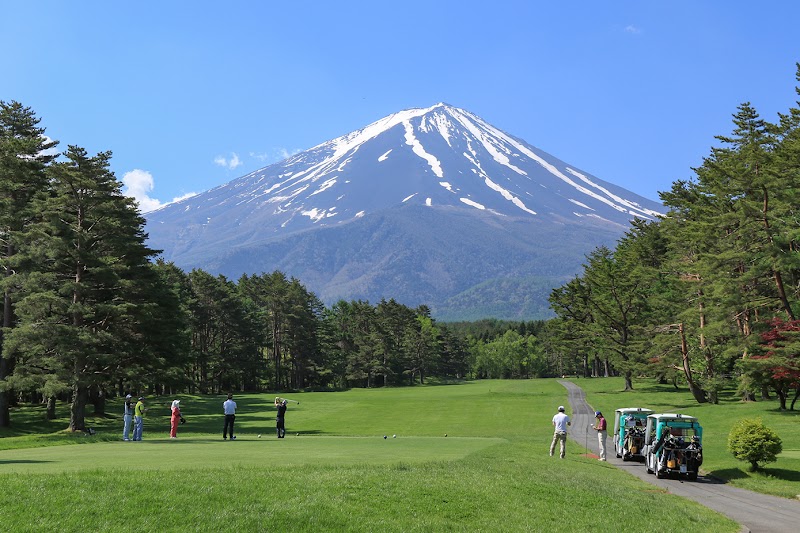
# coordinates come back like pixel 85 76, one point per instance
pixel 176 417
pixel 560 423
pixel 127 418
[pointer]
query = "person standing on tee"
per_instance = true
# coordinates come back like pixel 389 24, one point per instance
pixel 279 417
pixel 560 423
pixel 229 408
pixel 127 418
pixel 602 433
pixel 176 417
pixel 138 418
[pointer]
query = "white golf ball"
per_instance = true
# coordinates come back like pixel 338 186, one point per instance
pixel 394 436
pixel 259 435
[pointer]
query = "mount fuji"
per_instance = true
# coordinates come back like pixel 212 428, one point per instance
pixel 429 206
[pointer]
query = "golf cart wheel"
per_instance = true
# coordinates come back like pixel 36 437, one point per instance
pixel 625 457
pixel 692 476
pixel 659 474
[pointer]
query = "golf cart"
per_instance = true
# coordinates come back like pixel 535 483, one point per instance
pixel 629 426
pixel 673 445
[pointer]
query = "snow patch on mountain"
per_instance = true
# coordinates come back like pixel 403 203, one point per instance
pixel 635 208
pixel 473 204
pixel 489 144
pixel 508 196
pixel 418 149
pixel 576 202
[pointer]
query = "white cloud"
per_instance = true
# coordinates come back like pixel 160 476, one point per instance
pixel 138 184
pixel 632 29
pixel 231 163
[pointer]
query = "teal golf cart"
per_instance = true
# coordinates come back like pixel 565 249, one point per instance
pixel 673 445
pixel 629 428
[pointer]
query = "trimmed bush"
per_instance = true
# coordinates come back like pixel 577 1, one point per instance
pixel 750 440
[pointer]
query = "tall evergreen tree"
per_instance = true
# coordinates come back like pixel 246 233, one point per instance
pixel 81 305
pixel 24 155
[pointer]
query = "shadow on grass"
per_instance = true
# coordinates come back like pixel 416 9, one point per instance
pixel 728 474
pixel 434 382
pixel 20 461
pixel 780 473
pixel 765 473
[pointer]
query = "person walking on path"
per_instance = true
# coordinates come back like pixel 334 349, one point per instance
pixel 560 423
pixel 229 408
pixel 279 417
pixel 602 433
pixel 127 418
pixel 138 419
pixel 176 417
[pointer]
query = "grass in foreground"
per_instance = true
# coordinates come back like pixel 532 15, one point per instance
pixel 781 478
pixel 492 472
pixel 510 487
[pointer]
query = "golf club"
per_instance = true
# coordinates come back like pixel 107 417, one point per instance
pixel 295 401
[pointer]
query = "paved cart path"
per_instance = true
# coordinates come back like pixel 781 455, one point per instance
pixel 756 512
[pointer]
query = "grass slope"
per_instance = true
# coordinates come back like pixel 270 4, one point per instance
pixel 781 478
pixel 491 472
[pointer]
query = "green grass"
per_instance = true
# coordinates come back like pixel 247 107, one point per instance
pixel 781 478
pixel 491 472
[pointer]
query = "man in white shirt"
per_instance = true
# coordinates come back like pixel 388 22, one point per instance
pixel 560 423
pixel 229 406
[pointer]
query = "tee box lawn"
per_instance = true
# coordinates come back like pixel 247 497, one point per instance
pixel 334 471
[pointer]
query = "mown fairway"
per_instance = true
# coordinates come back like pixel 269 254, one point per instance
pixel 491 472
pixel 781 478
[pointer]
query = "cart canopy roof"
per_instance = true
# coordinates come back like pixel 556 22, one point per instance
pixel 629 410
pixel 672 417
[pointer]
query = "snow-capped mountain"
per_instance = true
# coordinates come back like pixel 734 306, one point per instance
pixel 440 164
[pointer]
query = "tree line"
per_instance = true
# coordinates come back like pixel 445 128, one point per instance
pixel 89 310
pixel 706 295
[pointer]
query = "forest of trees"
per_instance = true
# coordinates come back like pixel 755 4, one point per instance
pixel 90 311
pixel 709 294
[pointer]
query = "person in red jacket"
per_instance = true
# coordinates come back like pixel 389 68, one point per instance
pixel 176 417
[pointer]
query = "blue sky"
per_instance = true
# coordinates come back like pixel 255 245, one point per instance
pixel 190 95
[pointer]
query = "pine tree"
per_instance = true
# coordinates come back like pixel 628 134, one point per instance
pixel 80 309
pixel 24 155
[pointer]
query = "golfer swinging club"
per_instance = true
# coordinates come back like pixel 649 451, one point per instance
pixel 279 418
